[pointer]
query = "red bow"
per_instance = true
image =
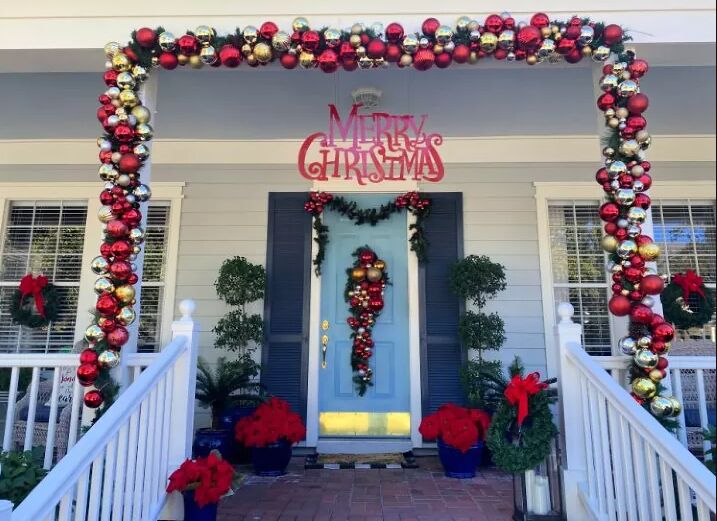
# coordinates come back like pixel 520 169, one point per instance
pixel 518 391
pixel 30 285
pixel 690 282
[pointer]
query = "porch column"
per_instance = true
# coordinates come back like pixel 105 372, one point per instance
pixel 148 96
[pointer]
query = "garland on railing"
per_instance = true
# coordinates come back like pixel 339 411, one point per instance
pixel 366 281
pixel 413 202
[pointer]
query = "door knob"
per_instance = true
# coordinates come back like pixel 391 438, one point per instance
pixel 324 346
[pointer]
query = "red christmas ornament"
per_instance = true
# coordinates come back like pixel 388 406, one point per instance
pixel 230 56
pixel 601 176
pixel 106 249
pixel 350 64
pixel 121 250
pixel 88 356
pixel 572 32
pixel 107 325
pixel 394 52
pixel 443 60
pixel 662 363
pixel 620 305
pixel 110 78
pixel 168 61
pixel 129 163
pixel 529 38
pixel 367 257
pixel 424 59
pixel 394 32
pixel 118 337
pixel 129 52
pixel 493 24
pixel 612 34
pixel 663 331
pixel 606 101
pixel 643 201
pixel 574 56
pixel 120 270
pixel 132 217
pixel 133 279
pixel 187 44
pixel 540 20
pixel 565 46
pixel 500 54
pixel 656 320
pixel 637 261
pixel 328 61
pixel 621 234
pixel 289 61
pixel 610 228
pixel 376 48
pixel 376 304
pixel 641 314
pixel 638 68
pixel 123 133
pixel 633 274
pixel 636 122
pixel 638 103
pixel 106 197
pixel 87 374
pixel 268 30
pixel 146 37
pixel 346 51
pixel 310 41
pixel 652 285
pixel 93 399
pixel 609 212
pixel 429 26
pixel 117 229
pixel 374 290
pixel 643 239
pixel 646 180
pixel 107 305
pixel 461 53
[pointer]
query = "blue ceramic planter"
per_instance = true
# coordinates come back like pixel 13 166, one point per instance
pixel 271 460
pixel 207 440
pixel 230 417
pixel 457 464
pixel 192 511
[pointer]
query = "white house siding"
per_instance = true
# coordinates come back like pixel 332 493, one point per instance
pixel 224 213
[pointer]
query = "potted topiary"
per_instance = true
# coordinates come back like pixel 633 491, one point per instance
pixel 231 383
pixel 203 482
pixel 270 432
pixel 477 279
pixel 460 433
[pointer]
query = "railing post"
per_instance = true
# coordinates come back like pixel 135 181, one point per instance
pixel 571 414
pixel 184 381
pixel 5 510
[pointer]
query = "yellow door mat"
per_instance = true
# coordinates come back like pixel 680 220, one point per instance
pixel 361 461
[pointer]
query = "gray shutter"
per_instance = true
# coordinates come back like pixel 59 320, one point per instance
pixel 286 308
pixel 442 356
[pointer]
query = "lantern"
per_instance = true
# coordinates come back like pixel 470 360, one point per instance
pixel 537 493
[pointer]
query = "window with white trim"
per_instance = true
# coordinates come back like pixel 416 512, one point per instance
pixel 41 237
pixel 578 265
pixel 153 277
pixel 686 232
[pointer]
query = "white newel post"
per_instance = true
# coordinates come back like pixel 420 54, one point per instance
pixel 5 510
pixel 184 382
pixel 571 414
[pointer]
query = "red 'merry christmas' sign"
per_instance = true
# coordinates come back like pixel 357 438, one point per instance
pixel 372 148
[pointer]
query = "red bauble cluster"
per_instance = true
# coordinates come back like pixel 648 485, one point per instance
pixel 413 201
pixel 317 201
pixel 367 282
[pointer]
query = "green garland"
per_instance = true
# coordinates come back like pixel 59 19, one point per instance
pixel 517 449
pixel 318 202
pixel 23 311
pixel 696 312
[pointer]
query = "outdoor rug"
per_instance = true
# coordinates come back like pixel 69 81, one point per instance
pixel 361 461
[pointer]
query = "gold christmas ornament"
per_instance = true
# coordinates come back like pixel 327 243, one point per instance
pixel 600 54
pixel 462 23
pixel 108 359
pixel 144 131
pixel 307 60
pixel 646 359
pixel 587 51
pixel 195 62
pixel 609 243
pixel 406 60
pixel 204 34
pixel 444 34
pixel 358 274
pixel 661 406
pixel 281 41
pixel 128 98
pixel 374 274
pixel 300 24
pixel 676 406
pixel 365 62
pixel 262 51
pixel 107 172
pixel 332 37
pixel 104 285
pixel 125 80
pixel 655 375
pixel 251 59
pixel 437 49
pixel 626 249
pixel 355 40
pixel 379 264
pixel 125 293
pixel 644 388
pixel 112 48
pixel 357 28
pixel 99 265
pixel 488 42
pixel 627 88
pixel 506 39
pixel 141 113
pixel 250 34
pixel 126 316
pixel 636 215
pixel 182 59
pixel 167 41
pixel 139 73
pixel 94 334
pixel 649 251
pixel 629 147
pixel 105 215
pixel 120 62
pixel 208 55
pixel 531 59
pixel 410 44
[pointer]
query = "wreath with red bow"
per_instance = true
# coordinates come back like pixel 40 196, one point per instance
pixel 522 430
pixel 687 302
pixel 34 303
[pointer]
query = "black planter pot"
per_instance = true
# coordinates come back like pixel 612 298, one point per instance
pixel 271 460
pixel 239 453
pixel 457 464
pixel 207 440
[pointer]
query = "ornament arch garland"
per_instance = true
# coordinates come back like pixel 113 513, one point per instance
pixel 624 177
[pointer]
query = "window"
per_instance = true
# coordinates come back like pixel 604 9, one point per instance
pixel 42 237
pixel 578 265
pixel 153 277
pixel 686 232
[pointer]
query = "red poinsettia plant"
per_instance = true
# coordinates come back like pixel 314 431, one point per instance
pixel 459 427
pixel 210 478
pixel 272 422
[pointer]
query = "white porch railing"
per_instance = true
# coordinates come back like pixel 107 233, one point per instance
pixel 621 464
pixel 118 470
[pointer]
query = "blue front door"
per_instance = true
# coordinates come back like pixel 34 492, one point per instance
pixel 384 409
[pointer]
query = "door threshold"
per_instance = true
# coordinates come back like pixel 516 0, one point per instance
pixel 363 446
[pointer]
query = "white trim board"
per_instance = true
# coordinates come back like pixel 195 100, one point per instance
pixel 486 149
pixel 545 192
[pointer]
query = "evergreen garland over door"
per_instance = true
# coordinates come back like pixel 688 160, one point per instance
pixel 442 356
pixel 286 306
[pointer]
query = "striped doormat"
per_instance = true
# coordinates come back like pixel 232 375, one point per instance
pixel 361 461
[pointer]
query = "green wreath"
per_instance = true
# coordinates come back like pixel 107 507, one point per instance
pixel 516 449
pixel 24 312
pixel 695 312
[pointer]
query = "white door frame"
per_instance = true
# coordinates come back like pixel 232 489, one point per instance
pixel 414 345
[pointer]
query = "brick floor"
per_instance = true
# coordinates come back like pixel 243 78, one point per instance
pixel 422 494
